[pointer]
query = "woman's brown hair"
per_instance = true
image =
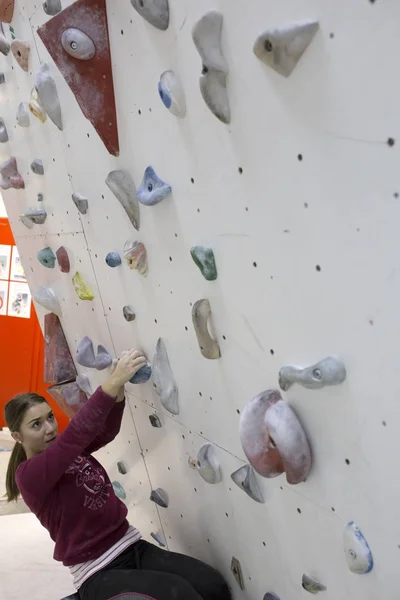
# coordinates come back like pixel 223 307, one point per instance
pixel 14 413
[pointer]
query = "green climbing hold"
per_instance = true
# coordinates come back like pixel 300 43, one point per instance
pixel 47 258
pixel 204 259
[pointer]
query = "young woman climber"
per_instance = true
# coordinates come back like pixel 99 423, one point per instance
pixel 72 496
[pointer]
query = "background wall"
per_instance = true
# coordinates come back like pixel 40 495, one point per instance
pixel 298 197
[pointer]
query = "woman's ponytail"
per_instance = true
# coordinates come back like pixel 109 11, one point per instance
pixel 18 455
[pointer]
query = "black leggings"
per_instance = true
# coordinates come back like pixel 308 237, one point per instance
pixel 145 569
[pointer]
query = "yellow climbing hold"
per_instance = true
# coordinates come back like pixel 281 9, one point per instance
pixel 81 288
pixel 36 108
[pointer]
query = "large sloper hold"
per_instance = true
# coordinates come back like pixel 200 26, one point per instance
pixel 273 439
pixel 152 190
pixel 81 288
pixel 69 396
pixel 206 35
pixel 47 258
pixel 63 260
pixel 46 297
pixel 135 255
pixel 21 51
pixel 6 10
pixel 58 363
pixel 37 216
pixel 123 187
pixel 155 12
pixel 357 551
pixel 81 203
pixel 172 94
pixel 163 378
pixel 77 40
pixel 10 176
pixel 85 353
pixel 204 259
pixel 329 371
pixel 201 313
pixel 3 132
pixel 246 480
pixel 160 497
pixel 84 384
pixel 103 358
pixel 23 115
pixel 208 465
pixel 281 49
pixel 52 7
pixel 312 585
pixel 48 96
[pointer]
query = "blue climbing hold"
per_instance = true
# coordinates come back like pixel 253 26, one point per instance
pixel 113 259
pixel 47 258
pixel 142 376
pixel 164 95
pixel 152 189
pixel 119 490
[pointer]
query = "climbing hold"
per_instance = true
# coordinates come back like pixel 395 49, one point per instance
pixel 143 375
pixel 329 371
pixel 85 353
pixel 136 256
pixel 69 396
pixel 36 107
pixel 78 44
pixel 37 166
pixel 113 259
pixel 208 464
pixel 312 585
pixel 207 38
pixel 103 358
pixel 2 78
pixel 236 569
pixel 4 45
pixel 273 439
pixel 81 288
pixel 122 186
pixel 119 490
pixel 270 596
pixel 152 189
pixel 40 197
pixel 10 177
pixel 172 94
pixel 46 297
pixel 47 258
pixel 155 420
pixel 37 216
pixel 25 221
pixel 47 93
pixel 63 260
pixel 129 313
pixel 281 49
pixel 122 468
pixel 21 50
pixel 159 496
pixel 84 384
pixel 164 382
pixel 159 539
pixel 201 313
pixel 22 115
pixel 357 551
pixel 52 7
pixel 81 203
pixel 58 364
pixel 84 60
pixel 155 12
pixel 6 10
pixel 3 132
pixel 246 480
pixel 204 259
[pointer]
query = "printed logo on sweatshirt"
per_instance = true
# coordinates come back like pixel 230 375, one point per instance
pixel 91 478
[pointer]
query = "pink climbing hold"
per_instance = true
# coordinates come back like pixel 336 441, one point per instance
pixel 58 364
pixel 63 260
pixel 10 176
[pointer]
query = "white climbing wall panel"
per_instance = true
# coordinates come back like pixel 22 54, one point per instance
pixel 298 197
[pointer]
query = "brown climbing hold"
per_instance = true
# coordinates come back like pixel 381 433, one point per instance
pixel 63 260
pixel 58 364
pixel 6 10
pixel 10 176
pixel 21 51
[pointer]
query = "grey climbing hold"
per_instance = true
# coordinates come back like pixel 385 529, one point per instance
pixel 312 585
pixel 208 464
pixel 78 44
pixel 4 45
pixel 23 115
pixel 119 490
pixel 269 596
pixel 245 479
pixel 159 539
pixel 37 166
pixel 155 12
pixel 40 197
pixel 172 94
pixel 236 569
pixel 113 259
pixel 357 551
pixel 164 381
pixel 52 7
pixel 46 297
pixel 201 313
pixel 48 95
pixel 81 203
pixel 204 259
pixel 47 258
pixel 27 222
pixel 281 49
pixel 155 420
pixel 122 186
pixel 85 353
pixel 329 371
pixel 103 358
pixel 129 313
pixel 159 496
pixel 3 132
pixel 83 383
pixel 152 189
pixel 2 78
pixel 142 376
pixel 122 467
pixel 37 216
pixel 207 38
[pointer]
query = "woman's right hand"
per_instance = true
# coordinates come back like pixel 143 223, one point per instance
pixel 127 366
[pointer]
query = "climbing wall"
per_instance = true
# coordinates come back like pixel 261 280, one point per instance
pixel 298 197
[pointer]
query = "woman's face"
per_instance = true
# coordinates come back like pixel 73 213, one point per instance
pixel 38 429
